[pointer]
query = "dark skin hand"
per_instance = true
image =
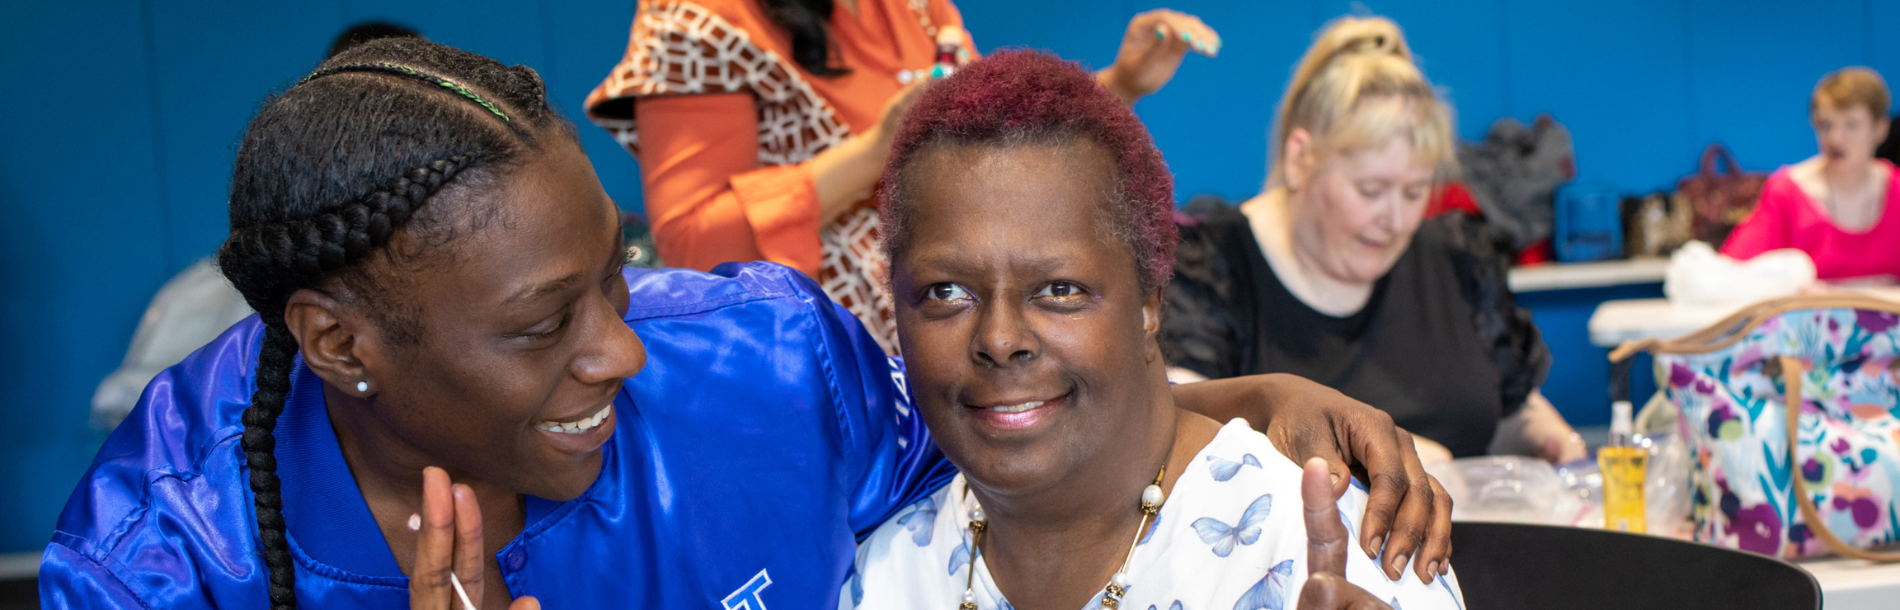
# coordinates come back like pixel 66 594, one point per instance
pixel 516 325
pixel 1326 541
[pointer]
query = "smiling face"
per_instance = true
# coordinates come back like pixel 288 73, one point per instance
pixel 1355 212
pixel 1029 339
pixel 519 347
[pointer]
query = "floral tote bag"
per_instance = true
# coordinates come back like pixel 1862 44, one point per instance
pixel 1789 407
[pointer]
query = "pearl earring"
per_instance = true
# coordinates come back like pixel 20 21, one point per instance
pixel 362 386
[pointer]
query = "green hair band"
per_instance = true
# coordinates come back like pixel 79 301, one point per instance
pixel 406 71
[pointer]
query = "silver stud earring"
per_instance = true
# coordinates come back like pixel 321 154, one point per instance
pixel 362 386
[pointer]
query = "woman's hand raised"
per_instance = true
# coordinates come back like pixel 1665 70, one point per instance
pixel 1152 49
pixel 1326 541
pixel 449 538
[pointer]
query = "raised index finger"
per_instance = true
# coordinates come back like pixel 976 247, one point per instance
pixel 435 544
pixel 1326 535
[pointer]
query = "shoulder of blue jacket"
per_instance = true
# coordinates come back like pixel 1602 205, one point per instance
pixel 660 293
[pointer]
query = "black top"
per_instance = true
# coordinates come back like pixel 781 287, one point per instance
pixel 1441 345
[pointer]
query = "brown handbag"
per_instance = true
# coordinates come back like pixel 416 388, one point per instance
pixel 1720 199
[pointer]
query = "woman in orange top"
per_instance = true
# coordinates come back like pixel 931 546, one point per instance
pixel 761 126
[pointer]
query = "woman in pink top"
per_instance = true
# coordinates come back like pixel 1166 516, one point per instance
pixel 1842 207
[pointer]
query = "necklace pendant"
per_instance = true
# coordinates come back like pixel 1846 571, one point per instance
pixel 966 606
pixel 1110 603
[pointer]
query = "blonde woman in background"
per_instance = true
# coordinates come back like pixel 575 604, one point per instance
pixel 1333 273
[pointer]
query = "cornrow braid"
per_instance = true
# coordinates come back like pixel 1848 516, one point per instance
pixel 401 70
pixel 327 242
pixel 327 173
pixel 308 248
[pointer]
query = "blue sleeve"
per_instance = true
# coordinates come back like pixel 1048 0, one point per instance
pixel 71 580
pixel 889 459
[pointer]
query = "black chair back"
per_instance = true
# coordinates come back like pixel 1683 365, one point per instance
pixel 1502 566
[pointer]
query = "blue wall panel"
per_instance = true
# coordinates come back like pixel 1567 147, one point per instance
pixel 1212 120
pixel 207 92
pixel 1615 73
pixel 585 39
pixel 1752 76
pixel 82 242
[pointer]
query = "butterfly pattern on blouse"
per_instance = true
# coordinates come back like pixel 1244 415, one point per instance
pixel 960 556
pixel 855 582
pixel 1223 537
pixel 1271 592
pixel 921 522
pixel 1223 469
pixel 1174 606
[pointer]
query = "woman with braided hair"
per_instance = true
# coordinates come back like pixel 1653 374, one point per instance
pixel 438 278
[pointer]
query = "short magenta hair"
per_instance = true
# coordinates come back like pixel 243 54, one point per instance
pixel 1016 98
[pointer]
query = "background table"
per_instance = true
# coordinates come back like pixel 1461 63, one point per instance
pixel 1615 322
pixel 1852 584
pixel 1561 298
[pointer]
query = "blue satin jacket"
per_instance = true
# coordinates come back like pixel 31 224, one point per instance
pixel 766 431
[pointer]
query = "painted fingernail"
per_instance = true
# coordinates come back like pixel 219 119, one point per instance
pixel 415 522
pixel 1160 34
pixel 1187 37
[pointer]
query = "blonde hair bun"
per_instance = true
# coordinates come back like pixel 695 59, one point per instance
pixel 1355 61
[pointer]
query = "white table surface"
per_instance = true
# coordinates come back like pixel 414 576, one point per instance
pixel 1852 584
pixel 1565 276
pixel 1627 320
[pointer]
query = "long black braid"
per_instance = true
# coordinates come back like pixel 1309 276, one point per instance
pixel 328 171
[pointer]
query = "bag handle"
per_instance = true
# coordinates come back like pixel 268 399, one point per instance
pixel 1791 374
pixel 1729 330
pixel 1717 152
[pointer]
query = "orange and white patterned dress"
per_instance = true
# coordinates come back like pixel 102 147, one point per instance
pixel 723 123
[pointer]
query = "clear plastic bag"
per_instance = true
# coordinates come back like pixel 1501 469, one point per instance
pixel 1507 488
pixel 1517 489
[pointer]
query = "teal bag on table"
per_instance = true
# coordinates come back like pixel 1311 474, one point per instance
pixel 1789 411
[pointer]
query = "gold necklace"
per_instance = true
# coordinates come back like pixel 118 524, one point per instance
pixel 1151 499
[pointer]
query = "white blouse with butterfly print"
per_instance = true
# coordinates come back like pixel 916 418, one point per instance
pixel 1230 536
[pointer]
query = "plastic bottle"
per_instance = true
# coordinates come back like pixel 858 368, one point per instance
pixel 1625 467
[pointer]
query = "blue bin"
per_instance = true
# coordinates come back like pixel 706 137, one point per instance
pixel 1589 222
